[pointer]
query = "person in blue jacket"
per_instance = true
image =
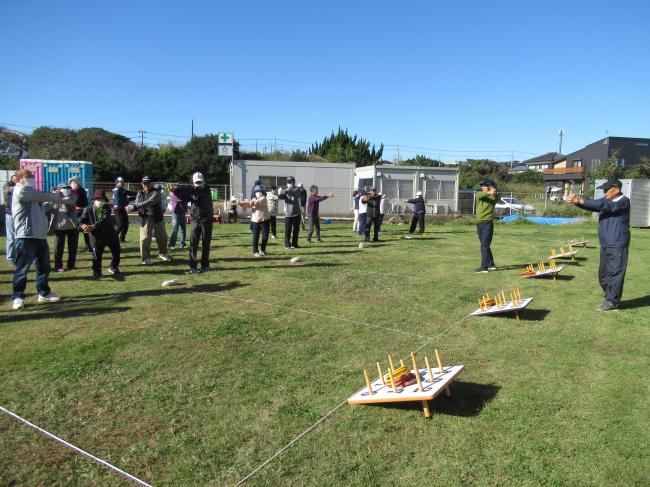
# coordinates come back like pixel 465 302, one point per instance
pixel 418 212
pixel 614 236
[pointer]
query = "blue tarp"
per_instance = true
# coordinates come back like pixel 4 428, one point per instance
pixel 542 220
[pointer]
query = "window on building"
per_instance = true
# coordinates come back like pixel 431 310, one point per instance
pixel 576 163
pixel 389 188
pixel 365 183
pixel 268 181
pixel 433 189
pixel 621 162
pixel 641 144
pixel 405 188
pixel 447 190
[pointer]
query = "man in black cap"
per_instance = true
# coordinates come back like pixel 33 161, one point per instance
pixel 486 200
pixel 614 236
pixel 121 199
pixel 292 215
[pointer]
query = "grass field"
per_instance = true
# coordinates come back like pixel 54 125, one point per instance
pixel 201 383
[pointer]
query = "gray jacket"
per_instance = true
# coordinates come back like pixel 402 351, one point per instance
pixel 30 220
pixel 64 216
pixel 291 197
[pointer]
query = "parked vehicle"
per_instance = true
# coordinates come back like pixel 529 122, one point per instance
pixel 508 206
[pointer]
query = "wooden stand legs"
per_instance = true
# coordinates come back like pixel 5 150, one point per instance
pixel 425 409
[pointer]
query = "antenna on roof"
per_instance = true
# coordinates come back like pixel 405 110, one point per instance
pixel 561 134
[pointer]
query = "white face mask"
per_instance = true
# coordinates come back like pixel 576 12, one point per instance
pixel 31 182
pixel 74 185
pixel 98 203
pixel 289 185
pixel 259 194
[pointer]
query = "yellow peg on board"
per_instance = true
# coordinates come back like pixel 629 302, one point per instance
pixel 426 361
pixel 381 375
pixel 416 371
pixel 392 379
pixel 440 366
pixel 390 363
pixel 365 375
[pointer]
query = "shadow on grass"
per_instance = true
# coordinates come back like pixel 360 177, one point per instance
pixel 46 312
pixel 467 399
pixel 284 266
pixel 640 302
pixel 534 314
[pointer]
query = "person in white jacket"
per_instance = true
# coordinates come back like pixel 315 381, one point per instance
pixel 30 226
pixel 260 221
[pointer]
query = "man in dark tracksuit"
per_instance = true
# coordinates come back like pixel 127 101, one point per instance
pixel 372 200
pixel 121 198
pixel 303 203
pixel 486 200
pixel 97 222
pixel 291 196
pixel 201 219
pixel 614 236
pixel 418 212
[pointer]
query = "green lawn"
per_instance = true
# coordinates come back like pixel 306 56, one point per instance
pixel 200 383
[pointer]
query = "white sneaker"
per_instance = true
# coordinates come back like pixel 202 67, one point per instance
pixel 165 258
pixel 147 262
pixel 17 304
pixel 50 298
pixel 273 237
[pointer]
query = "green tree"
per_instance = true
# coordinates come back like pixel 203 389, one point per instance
pixel 200 154
pixel 639 171
pixel 423 161
pixel 52 143
pixel 341 147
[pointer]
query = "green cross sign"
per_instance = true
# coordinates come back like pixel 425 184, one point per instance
pixel 225 138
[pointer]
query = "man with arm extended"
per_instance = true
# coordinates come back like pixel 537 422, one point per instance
pixel 486 200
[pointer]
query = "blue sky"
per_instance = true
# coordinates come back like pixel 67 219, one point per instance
pixel 454 77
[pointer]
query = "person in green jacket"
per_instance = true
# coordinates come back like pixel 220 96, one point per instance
pixel 485 202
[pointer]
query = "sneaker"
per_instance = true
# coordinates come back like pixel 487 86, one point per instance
pixel 192 271
pixel 262 253
pixel 172 247
pixel 118 276
pixel 481 271
pixel 60 270
pixel 288 247
pixel 96 277
pixel 492 268
pixel 112 271
pixel 607 306
pixel 50 298
pixel 257 254
pixel 17 303
pixel 147 262
pixel 165 257
pixel 273 237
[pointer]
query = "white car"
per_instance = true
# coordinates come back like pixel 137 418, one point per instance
pixel 508 206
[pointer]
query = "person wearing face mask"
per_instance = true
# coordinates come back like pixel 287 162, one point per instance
pixel 121 198
pixel 97 222
pixel 81 198
pixel 30 244
pixel 292 215
pixel 201 219
pixel 260 219
pixel 65 224
pixel 272 201
pixel 147 203
pixel 8 190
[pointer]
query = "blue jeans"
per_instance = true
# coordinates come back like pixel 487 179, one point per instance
pixel 9 227
pixel 28 251
pixel 178 221
pixel 362 224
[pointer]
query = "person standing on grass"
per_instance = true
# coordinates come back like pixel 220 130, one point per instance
pixel 201 219
pixel 313 204
pixel 65 223
pixel 372 201
pixel 363 210
pixel 121 198
pixel 303 205
pixel 486 200
pixel 383 209
pixel 81 197
pixel 178 209
pixel 355 207
pixel 272 201
pixel 97 221
pixel 260 219
pixel 30 244
pixel 147 203
pixel 291 197
pixel 419 211
pixel 614 236
pixel 8 191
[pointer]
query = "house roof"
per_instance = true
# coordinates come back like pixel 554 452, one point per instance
pixel 545 158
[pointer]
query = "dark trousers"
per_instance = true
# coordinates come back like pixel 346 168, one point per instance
pixel 99 243
pixel 418 219
pixel 362 223
pixel 274 224
pixel 372 222
pixel 314 224
pixel 263 228
pixel 121 223
pixel 291 229
pixel 59 246
pixel 200 231
pixel 28 251
pixel 611 273
pixel 485 232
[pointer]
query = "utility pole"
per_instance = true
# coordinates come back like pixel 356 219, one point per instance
pixel 561 136
pixel 142 132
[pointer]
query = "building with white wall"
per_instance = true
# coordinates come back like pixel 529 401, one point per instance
pixel 439 185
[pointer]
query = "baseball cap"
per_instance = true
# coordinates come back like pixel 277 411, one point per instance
pixel 197 177
pixel 119 179
pixel 610 183
pixel 146 179
pixel 291 179
pixel 488 182
pixel 419 193
pixel 373 189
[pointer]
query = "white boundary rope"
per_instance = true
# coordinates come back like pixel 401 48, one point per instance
pixel 78 450
pixel 313 426
pixel 369 325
